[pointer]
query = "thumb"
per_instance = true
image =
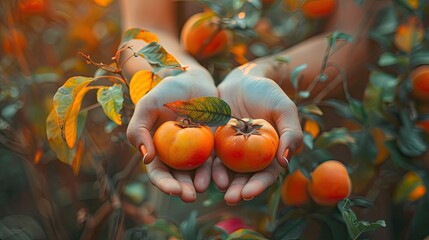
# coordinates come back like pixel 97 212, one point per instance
pixel 285 116
pixel 138 132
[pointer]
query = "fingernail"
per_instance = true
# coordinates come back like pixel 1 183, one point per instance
pixel 143 150
pixel 286 157
pixel 221 190
pixel 231 204
pixel 248 199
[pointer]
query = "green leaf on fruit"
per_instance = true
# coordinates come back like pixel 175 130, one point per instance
pixel 210 111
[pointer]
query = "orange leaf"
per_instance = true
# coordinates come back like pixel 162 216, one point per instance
pixel 78 157
pixel 137 33
pixel 141 83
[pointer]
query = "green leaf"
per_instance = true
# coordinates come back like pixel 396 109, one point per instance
pixel 211 111
pixel 338 36
pixel 387 59
pixel 341 108
pixel 243 234
pixel 137 33
pixel 189 228
pixel 289 230
pixel 411 141
pixel 274 200
pixel 358 110
pixel 333 137
pixel 64 153
pixel 386 82
pixel 67 103
pixel 419 58
pixel 354 226
pixel 304 94
pixel 158 57
pixel 283 59
pixel 311 108
pixel 165 227
pixel 295 74
pixel 398 157
pixel 308 140
pixel 111 100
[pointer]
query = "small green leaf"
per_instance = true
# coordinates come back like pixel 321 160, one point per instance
pixel 211 111
pixel 283 59
pixel 311 108
pixel 308 140
pixel 189 228
pixel 158 57
pixel 411 141
pixel 358 110
pixel 304 94
pixel 420 58
pixel 341 108
pixel 387 59
pixel 356 227
pixel 338 36
pixel 386 82
pixel 248 234
pixel 111 99
pixel 137 33
pixel 294 76
pixel 333 137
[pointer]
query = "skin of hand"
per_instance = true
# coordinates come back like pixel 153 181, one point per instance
pixel 150 113
pixel 250 95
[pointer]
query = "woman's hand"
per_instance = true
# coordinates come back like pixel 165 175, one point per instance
pixel 150 114
pixel 257 97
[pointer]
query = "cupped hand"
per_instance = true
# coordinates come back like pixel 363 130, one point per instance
pixel 257 97
pixel 150 113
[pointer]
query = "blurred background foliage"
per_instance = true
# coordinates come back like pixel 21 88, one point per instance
pixel 381 135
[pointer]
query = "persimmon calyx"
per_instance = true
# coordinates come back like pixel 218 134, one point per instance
pixel 187 123
pixel 246 128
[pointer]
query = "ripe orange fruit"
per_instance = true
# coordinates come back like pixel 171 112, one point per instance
pixel 330 183
pixel 203 36
pixel 294 189
pixel 318 8
pixel 409 34
pixel 312 127
pixel 182 146
pixel 246 150
pixel 420 82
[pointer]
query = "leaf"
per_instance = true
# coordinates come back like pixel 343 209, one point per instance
pixel 290 230
pixel 67 103
pixel 137 33
pixel 242 234
pixel 158 57
pixel 409 182
pixel 387 59
pixel 358 110
pixel 211 111
pixel 189 228
pixel 386 82
pixel 308 140
pixel 20 227
pixel 103 3
pixel 111 100
pixel 411 141
pixel 419 58
pixel 295 74
pixel 333 137
pixel 64 153
pixel 166 227
pixel 341 108
pixel 354 226
pixel 311 108
pixel 141 83
pixel 338 36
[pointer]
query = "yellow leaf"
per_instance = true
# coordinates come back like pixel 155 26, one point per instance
pixel 111 100
pixel 67 102
pixel 141 83
pixel 103 3
pixel 147 36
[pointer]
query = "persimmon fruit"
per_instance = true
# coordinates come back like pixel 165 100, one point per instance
pixel 182 145
pixel 246 145
pixel 318 8
pixel 409 34
pixel 203 36
pixel 330 183
pixel 420 82
pixel 294 189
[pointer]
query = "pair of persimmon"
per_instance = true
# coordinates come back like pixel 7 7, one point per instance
pixel 243 145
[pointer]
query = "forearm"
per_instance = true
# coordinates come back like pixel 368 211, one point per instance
pixel 158 17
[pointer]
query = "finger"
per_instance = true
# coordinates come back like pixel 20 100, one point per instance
pixel 188 189
pixel 138 131
pixel 220 174
pixel 160 176
pixel 233 194
pixel 203 176
pixel 285 117
pixel 260 181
